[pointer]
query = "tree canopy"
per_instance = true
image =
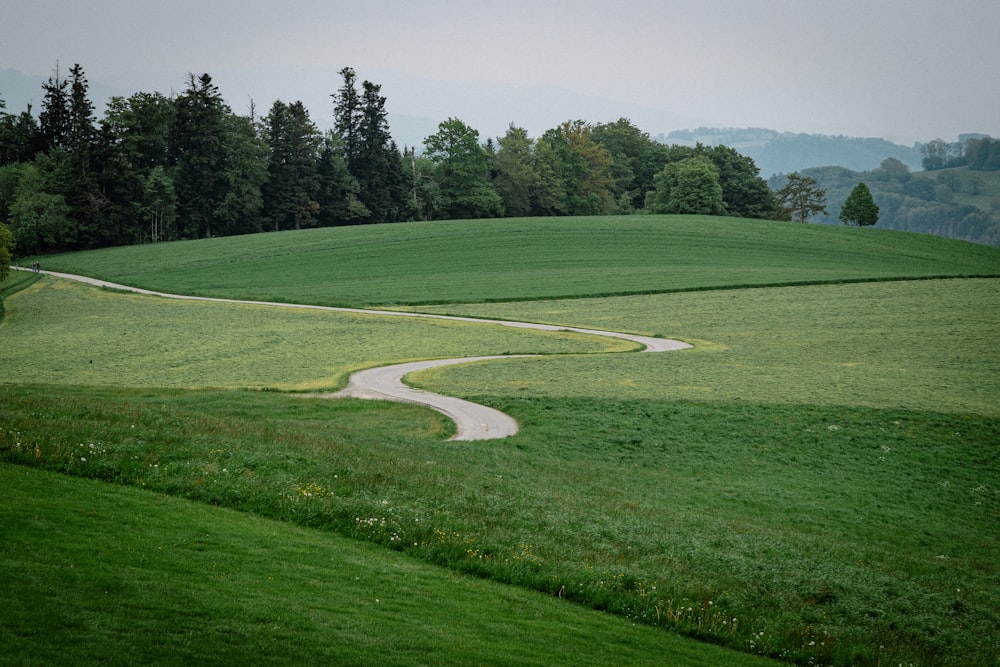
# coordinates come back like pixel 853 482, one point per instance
pixel 800 198
pixel 688 186
pixel 156 168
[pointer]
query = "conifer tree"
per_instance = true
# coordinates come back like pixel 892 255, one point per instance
pixel 197 147
pixel 54 117
pixel 372 156
pixel 860 208
pixel 292 187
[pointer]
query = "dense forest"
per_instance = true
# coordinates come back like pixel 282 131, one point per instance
pixel 156 168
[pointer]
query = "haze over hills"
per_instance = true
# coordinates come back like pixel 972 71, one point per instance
pixel 416 106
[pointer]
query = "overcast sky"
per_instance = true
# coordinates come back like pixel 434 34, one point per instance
pixel 905 70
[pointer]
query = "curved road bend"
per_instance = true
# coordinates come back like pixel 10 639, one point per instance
pixel 472 421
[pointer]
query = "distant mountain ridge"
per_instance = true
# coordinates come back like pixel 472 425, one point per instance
pixel 777 152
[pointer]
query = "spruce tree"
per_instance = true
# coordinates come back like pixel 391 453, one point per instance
pixel 860 208
pixel 292 186
pixel 54 118
pixel 197 146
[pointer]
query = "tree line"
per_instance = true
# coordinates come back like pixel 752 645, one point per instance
pixel 978 153
pixel 955 203
pixel 157 168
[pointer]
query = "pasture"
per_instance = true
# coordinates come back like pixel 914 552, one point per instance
pixel 520 259
pixel 816 481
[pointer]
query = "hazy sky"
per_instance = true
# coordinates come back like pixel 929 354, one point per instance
pixel 902 69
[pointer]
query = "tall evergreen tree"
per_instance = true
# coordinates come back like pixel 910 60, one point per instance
pixel 197 146
pixel 372 156
pixel 338 190
pixel 347 114
pixel 860 208
pixel 243 176
pixel 54 118
pixel 83 196
pixel 292 187
pixel 379 168
pixel 19 136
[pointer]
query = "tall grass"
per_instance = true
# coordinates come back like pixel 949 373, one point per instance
pixel 928 345
pixel 836 535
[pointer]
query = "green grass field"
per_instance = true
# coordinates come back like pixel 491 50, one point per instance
pixel 517 259
pixel 816 480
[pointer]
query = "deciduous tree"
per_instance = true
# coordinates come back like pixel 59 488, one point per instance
pixel 462 172
pixel 690 186
pixel 800 198
pixel 6 250
pixel 517 178
pixel 636 161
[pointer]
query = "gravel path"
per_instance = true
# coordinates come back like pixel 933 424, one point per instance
pixel 472 421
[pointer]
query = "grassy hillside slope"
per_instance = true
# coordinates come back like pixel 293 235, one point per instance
pixel 816 480
pixel 520 259
pixel 96 574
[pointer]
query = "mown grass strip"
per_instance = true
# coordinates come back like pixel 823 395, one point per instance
pixel 63 332
pixel 926 345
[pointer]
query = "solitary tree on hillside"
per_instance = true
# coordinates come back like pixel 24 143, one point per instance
pixel 860 208
pixel 801 198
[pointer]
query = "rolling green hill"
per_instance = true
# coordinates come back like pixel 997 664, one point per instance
pixel 816 481
pixel 524 259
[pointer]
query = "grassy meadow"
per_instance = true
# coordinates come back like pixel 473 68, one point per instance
pixel 816 481
pixel 521 259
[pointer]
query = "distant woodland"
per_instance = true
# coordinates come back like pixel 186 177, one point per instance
pixel 956 202
pixel 156 168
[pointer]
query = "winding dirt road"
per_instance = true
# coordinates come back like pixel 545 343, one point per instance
pixel 472 420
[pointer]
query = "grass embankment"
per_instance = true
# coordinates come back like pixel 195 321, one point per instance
pixel 98 574
pixel 808 533
pixel 520 259
pixel 816 480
